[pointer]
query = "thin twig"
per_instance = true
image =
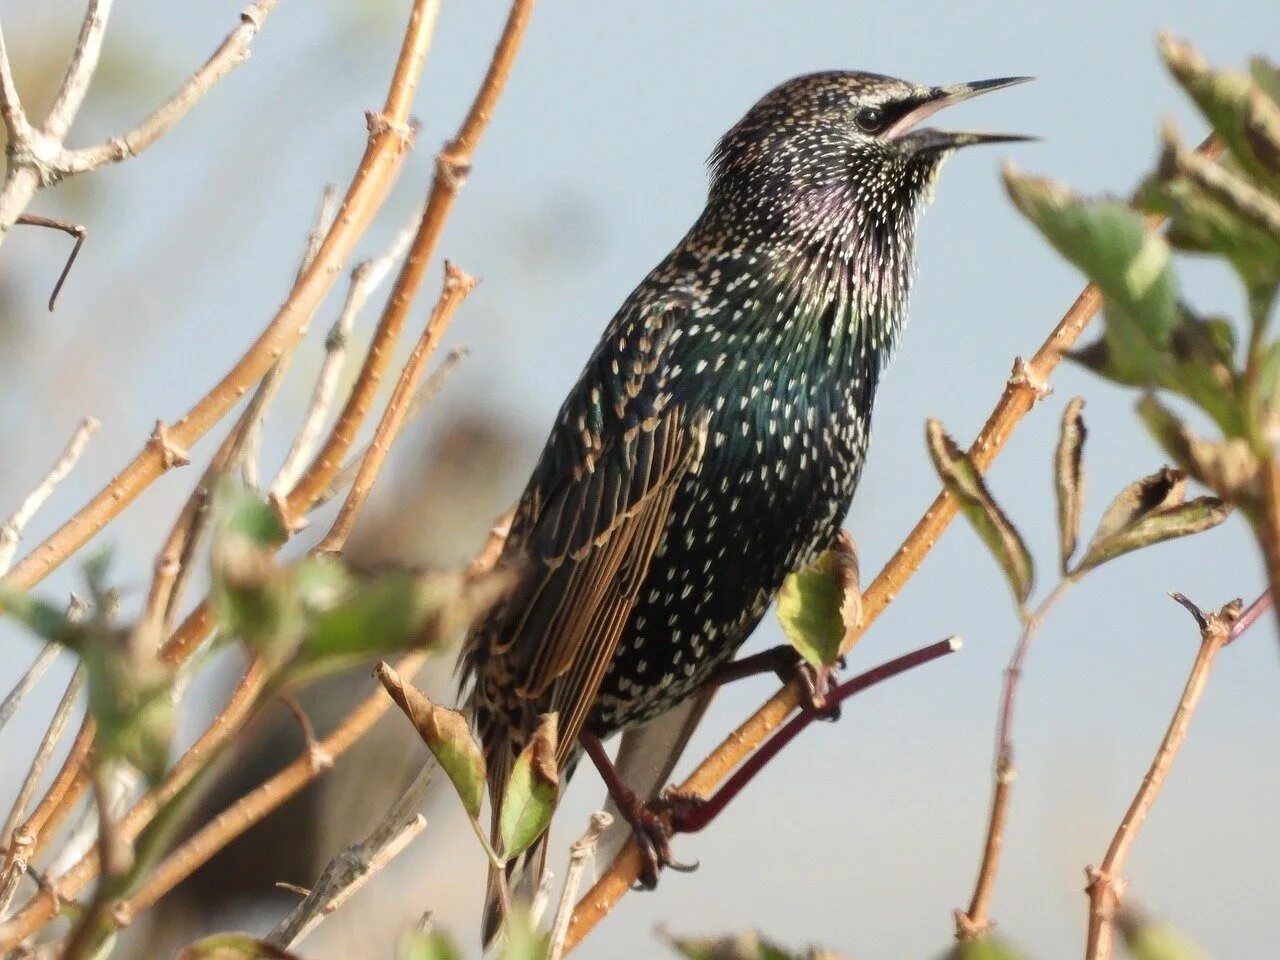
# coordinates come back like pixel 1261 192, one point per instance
pixel 324 222
pixel 580 855
pixel 976 920
pixel 44 659
pixel 1104 886
pixel 12 115
pixel 80 70
pixel 1269 532
pixel 1019 395
pixel 233 51
pixel 352 868
pixel 422 396
pixel 115 855
pixel 270 384
pixel 366 277
pixel 457 284
pixel 11 531
pixel 19 843
pixel 701 817
pixel 76 230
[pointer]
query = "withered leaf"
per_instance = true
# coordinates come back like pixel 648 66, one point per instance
pixel 447 735
pixel 964 482
pixel 1068 477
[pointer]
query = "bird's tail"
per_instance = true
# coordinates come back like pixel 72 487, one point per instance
pixel 523 877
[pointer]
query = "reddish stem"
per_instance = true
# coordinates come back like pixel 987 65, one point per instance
pixel 691 820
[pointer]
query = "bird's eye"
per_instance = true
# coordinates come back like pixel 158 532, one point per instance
pixel 869 119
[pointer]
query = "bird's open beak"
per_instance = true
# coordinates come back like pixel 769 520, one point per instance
pixel 907 128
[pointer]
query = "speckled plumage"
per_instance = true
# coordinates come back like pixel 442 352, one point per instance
pixel 715 438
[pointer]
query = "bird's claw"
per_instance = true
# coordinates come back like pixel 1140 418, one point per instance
pixel 816 684
pixel 654 838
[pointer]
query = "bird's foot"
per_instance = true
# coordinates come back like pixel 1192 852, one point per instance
pixel 816 684
pixel 653 834
pixel 652 830
pixel 683 807
pixel 785 661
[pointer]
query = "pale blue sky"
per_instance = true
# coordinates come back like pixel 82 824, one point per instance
pixel 866 834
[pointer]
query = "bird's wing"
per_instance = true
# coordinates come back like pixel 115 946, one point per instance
pixel 594 514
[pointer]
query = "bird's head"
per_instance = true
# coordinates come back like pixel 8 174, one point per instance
pixel 841 142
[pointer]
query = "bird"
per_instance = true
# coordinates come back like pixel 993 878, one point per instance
pixel 714 440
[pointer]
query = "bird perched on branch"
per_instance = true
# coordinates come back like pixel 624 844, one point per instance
pixel 714 440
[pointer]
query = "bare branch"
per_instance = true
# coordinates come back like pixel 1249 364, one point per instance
pixel 20 844
pixel 457 284
pixel 44 659
pixel 233 51
pixel 324 221
pixel 580 854
pixel 11 531
pixel 452 164
pixel 365 278
pixel 424 394
pixel 80 70
pixel 253 806
pixel 1104 886
pixel 14 118
pixel 976 920
pixel 369 186
pixel 351 869
pixel 270 384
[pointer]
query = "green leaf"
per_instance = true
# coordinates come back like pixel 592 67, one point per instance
pixel 532 791
pixel 1240 111
pixel 819 604
pixel 241 512
pixel 1215 210
pixel 523 940
pixel 233 946
pixel 427 946
pixel 130 695
pixel 1266 75
pixel 46 621
pixel 744 946
pixel 446 733
pixel 1150 511
pixel 964 481
pixel 1068 477
pixel 1152 941
pixel 1111 245
pixel 377 617
pixel 984 948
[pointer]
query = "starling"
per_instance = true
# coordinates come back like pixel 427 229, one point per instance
pixel 714 440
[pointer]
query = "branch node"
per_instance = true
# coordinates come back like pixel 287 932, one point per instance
pixel 1024 375
pixel 453 168
pixel 967 928
pixel 379 123
pixel 171 453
